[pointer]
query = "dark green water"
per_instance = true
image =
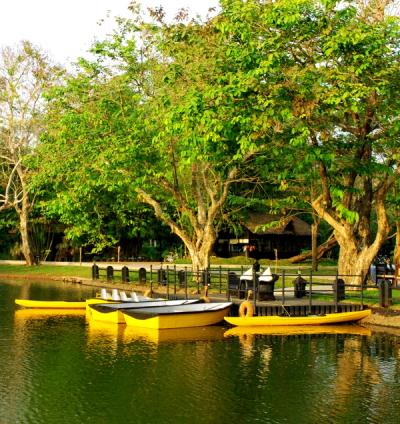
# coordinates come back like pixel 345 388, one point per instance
pixel 62 369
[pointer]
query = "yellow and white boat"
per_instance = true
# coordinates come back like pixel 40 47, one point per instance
pixel 335 318
pixel 113 312
pixel 194 315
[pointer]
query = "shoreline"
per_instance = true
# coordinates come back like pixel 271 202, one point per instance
pixel 380 318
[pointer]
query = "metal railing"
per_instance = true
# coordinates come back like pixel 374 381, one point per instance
pixel 286 286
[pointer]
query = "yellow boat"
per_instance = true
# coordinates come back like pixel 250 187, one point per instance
pixel 112 312
pixel 194 315
pixel 335 318
pixel 287 330
pixel 51 304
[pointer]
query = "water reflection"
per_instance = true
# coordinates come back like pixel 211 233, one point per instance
pixel 99 331
pixel 23 315
pixel 61 368
pixel 299 329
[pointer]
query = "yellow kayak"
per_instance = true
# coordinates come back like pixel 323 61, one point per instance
pixel 60 304
pixel 335 318
pixel 50 304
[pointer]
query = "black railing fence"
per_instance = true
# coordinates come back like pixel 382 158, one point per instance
pixel 285 286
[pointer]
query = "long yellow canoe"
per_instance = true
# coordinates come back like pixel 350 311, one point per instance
pixel 195 315
pixel 50 304
pixel 60 304
pixel 306 320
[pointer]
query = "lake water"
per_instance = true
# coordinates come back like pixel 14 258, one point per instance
pixel 63 369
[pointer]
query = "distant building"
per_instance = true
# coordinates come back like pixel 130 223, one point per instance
pixel 264 234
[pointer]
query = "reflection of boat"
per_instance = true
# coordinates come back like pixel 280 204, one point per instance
pixel 50 304
pixel 306 320
pixel 101 329
pixel 172 335
pixel 298 329
pixel 26 314
pixel 195 315
pixel 112 312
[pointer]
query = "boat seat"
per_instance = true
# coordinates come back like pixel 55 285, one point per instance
pixel 103 294
pixel 123 296
pixel 115 295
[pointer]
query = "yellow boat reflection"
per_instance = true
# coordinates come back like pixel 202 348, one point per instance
pixel 28 314
pixel 173 335
pixel 298 329
pixel 102 329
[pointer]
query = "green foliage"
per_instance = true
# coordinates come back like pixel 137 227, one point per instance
pixel 283 102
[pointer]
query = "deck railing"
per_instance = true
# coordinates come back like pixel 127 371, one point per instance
pixel 288 286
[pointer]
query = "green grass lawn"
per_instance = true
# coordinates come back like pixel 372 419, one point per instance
pixel 46 270
pixel 370 297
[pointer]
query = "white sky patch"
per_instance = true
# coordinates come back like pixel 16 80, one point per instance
pixel 66 29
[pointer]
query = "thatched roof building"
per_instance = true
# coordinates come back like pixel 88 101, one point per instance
pixel 261 224
pixel 265 236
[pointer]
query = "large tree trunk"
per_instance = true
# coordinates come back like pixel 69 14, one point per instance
pixel 357 252
pixel 354 264
pixel 200 253
pixel 25 240
pixel 23 210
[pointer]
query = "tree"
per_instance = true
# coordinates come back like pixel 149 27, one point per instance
pixel 25 74
pixel 323 77
pixel 147 118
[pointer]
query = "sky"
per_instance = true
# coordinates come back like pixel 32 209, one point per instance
pixel 66 28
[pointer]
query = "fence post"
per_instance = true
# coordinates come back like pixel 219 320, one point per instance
pixel 254 288
pixel 362 293
pixel 310 293
pixel 228 292
pixel 174 279
pixel 95 272
pixel 110 273
pixel 385 294
pixel 186 286
pixel 220 279
pixel 167 282
pixel 142 275
pixel 125 274
pixel 335 292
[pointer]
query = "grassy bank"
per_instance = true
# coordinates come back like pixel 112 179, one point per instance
pixel 45 271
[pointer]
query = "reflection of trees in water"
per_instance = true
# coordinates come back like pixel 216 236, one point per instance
pixel 354 366
pixel 371 367
pixel 349 374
